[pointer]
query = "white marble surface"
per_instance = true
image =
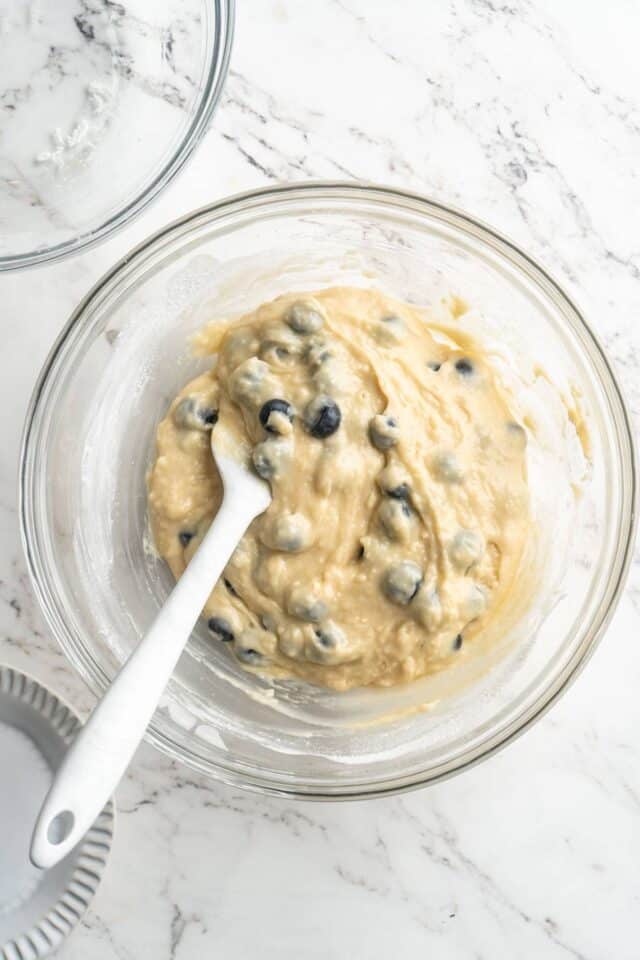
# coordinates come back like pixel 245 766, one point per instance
pixel 79 81
pixel 527 113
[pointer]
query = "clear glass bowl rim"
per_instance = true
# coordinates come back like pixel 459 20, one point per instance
pixel 212 90
pixel 254 205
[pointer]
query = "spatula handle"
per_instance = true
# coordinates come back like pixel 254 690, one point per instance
pixel 103 748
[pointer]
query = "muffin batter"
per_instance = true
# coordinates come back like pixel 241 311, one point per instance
pixel 398 475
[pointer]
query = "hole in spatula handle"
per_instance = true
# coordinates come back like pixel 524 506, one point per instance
pixel 60 827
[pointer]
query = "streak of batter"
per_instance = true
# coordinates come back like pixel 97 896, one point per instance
pixel 398 472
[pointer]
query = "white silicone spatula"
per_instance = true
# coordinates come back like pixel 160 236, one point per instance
pixel 104 747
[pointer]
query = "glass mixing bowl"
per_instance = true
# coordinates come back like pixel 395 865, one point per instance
pixel 102 104
pixel 89 441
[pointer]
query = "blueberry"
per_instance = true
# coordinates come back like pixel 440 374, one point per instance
pixel 272 413
pixel 401 492
pixel 383 431
pixel 305 606
pixel 428 608
pixel 247 646
pixel 185 537
pixel 457 643
pixel 394 483
pixel 464 367
pixel 322 417
pixel 434 365
pixel 221 629
pixel 328 644
pixel 315 612
pixel 465 549
pixel 253 371
pixel 326 638
pixel 191 414
pixel 271 457
pixel 248 655
pixel 263 462
pixel 360 552
pixel 290 532
pixel 394 516
pixel 402 581
pixel 304 318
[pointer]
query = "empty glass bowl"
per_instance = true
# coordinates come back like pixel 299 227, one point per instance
pixel 89 441
pixel 101 105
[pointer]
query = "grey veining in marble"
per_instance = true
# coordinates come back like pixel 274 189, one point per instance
pixel 93 95
pixel 526 113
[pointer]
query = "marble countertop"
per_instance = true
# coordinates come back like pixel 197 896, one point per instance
pixel 526 113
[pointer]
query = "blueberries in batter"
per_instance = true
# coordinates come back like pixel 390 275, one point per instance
pixel 464 367
pixel 246 647
pixel 400 509
pixel 427 607
pixel 328 644
pixel 395 519
pixel 384 431
pixel 276 415
pixel 394 482
pixel 401 492
pixel 192 414
pixel 304 318
pixel 304 605
pixel 401 581
pixel 465 549
pixel 288 532
pixel 221 629
pixel 272 458
pixel 322 417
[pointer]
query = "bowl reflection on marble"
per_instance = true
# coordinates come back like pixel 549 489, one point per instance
pixel 103 103
pixel 89 441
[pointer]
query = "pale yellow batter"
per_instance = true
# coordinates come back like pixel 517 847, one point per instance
pixel 400 507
